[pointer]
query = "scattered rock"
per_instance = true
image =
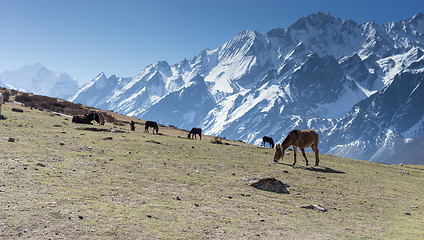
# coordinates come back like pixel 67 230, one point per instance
pixel 108 138
pixel 317 207
pixel 62 143
pixel 17 110
pixel 271 185
pixel 80 217
pixel 178 198
pixel 41 165
pixel 406 213
pixel 11 139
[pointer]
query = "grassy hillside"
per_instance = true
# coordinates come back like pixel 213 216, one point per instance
pixel 59 181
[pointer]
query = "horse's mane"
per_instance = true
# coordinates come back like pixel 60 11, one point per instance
pixel 288 134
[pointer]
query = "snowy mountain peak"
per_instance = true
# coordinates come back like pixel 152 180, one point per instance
pixel 39 80
pixel 354 83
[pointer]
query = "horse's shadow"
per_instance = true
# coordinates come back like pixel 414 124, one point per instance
pixel 315 169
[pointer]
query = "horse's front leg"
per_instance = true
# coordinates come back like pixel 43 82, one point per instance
pixel 294 154
pixel 304 155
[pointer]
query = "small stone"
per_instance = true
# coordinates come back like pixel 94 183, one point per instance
pixel 80 217
pixel 62 143
pixel 406 213
pixel 178 198
pixel 11 139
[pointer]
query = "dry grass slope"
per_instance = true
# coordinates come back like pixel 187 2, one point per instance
pixel 59 182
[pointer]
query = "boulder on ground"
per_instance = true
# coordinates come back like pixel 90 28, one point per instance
pixel 271 185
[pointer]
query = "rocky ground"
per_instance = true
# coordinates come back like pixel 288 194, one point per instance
pixel 61 180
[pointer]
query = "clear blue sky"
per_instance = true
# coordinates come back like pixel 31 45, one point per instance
pixel 122 37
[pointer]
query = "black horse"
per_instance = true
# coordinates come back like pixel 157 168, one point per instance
pixel 266 139
pixel 151 124
pixel 195 131
pixel 89 117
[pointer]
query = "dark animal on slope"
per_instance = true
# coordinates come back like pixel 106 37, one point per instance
pixel 266 139
pixel 194 132
pixel 151 124
pixel 132 125
pixel 299 139
pixel 1 101
pixel 89 117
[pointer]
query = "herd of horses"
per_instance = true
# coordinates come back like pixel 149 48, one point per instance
pixel 296 138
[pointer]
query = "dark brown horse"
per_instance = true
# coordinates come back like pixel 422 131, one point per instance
pixel 151 124
pixel 194 132
pixel 89 117
pixel 266 139
pixel 299 139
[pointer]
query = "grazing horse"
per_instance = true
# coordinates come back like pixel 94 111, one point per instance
pixel 151 124
pixel 88 117
pixel 266 139
pixel 195 131
pixel 298 139
pixel 1 101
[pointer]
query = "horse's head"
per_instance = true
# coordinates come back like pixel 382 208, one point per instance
pixel 279 153
pixel 188 136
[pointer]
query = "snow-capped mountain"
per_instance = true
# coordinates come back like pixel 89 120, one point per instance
pixel 358 85
pixel 37 79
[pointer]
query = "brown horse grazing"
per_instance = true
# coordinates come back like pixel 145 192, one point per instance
pixel 153 125
pixel 298 139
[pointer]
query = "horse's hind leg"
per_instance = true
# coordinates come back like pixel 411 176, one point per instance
pixel 304 155
pixel 315 149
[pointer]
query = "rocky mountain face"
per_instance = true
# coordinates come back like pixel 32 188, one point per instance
pixel 39 80
pixel 359 85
